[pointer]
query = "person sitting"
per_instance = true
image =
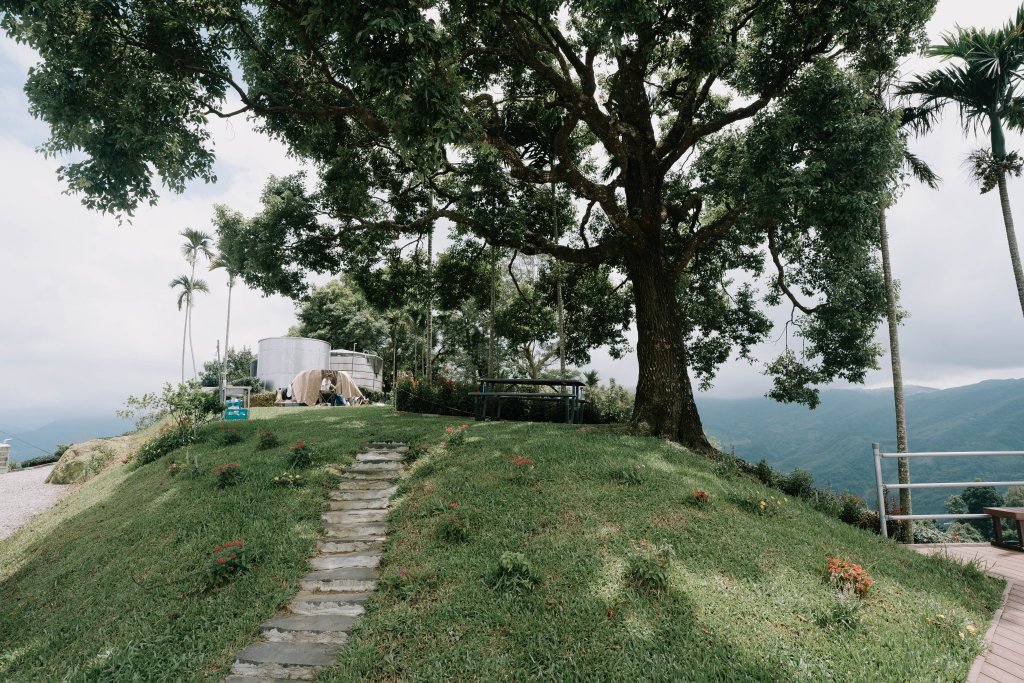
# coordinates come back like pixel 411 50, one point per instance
pixel 327 393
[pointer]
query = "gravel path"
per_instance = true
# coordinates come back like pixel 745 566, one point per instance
pixel 23 495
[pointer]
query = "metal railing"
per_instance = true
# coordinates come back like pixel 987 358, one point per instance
pixel 883 487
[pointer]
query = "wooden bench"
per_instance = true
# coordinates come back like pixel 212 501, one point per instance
pixel 1015 514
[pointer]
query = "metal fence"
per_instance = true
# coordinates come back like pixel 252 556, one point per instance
pixel 883 488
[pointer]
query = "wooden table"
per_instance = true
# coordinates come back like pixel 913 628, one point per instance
pixel 490 388
pixel 1015 514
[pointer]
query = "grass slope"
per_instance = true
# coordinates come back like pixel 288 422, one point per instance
pixel 111 593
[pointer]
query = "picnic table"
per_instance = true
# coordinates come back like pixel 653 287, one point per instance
pixel 498 389
pixel 1013 514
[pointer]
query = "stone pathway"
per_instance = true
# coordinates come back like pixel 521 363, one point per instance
pixel 321 616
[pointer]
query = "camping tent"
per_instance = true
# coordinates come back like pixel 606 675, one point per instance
pixel 306 386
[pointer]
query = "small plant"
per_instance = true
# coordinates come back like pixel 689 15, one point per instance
pixel 524 471
pixel 647 566
pixel 843 614
pixel 406 584
pixel 846 576
pixel 514 574
pixel 266 439
pixel 629 476
pixel 229 435
pixel 300 455
pixel 226 561
pixel 228 474
pixel 453 527
pixel 288 480
pixel 454 436
pixel 702 498
pixel 169 439
pixel 177 467
pixel 769 506
pixel 961 632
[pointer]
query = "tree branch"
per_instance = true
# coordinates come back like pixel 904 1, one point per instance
pixel 780 281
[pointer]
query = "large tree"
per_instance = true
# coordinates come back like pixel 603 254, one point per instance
pixel 687 141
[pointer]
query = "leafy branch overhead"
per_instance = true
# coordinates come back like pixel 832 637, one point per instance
pixel 671 139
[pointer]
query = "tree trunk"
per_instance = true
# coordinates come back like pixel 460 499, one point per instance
pixel 903 467
pixel 192 350
pixel 184 340
pixel 490 323
pixel 430 307
pixel 1011 239
pixel 227 332
pixel 664 396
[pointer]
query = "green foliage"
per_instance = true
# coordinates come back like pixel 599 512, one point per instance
pixel 228 474
pixel 143 410
pixel 629 476
pixel 263 399
pixel 339 314
pixel 973 500
pixel 266 439
pixel 239 368
pixel 167 441
pixel 228 561
pixel 799 483
pixel 514 574
pixel 647 567
pixel 228 435
pixel 45 459
pixel 453 526
pixel 300 455
pixel 842 613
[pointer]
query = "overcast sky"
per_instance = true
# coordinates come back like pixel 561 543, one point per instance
pixel 87 318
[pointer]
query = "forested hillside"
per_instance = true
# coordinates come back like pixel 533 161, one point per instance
pixel 834 441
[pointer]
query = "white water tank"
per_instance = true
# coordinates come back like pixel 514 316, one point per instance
pixel 281 358
pixel 364 368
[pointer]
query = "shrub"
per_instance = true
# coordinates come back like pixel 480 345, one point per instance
pixel 442 397
pixel 842 614
pixel 846 576
pixel 168 440
pixel 266 439
pixel 608 405
pixel 454 436
pixel 44 459
pixel 228 435
pixel 769 506
pixel 228 474
pixel 701 498
pixel 514 574
pixel 765 474
pixel 372 396
pixel 852 508
pixel 524 471
pixel 453 527
pixel 960 532
pixel 226 561
pixel 288 480
pixel 647 567
pixel 300 455
pixel 629 476
pixel 799 484
pixel 263 399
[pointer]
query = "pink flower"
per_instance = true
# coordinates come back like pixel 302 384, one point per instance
pixel 221 560
pixel 403 572
pixel 463 427
pixel 443 443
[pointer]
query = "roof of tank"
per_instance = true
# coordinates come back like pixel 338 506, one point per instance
pixel 319 341
pixel 347 352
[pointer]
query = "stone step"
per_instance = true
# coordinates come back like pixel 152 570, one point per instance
pixel 357 545
pixel 316 603
pixel 375 466
pixel 345 579
pixel 354 516
pixel 370 475
pixel 386 446
pixel 291 661
pixel 256 679
pixel 380 456
pixel 339 560
pixel 355 532
pixel 363 494
pixel 326 629
pixel 378 487
pixel 368 504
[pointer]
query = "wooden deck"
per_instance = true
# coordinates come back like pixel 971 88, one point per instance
pixel 1003 660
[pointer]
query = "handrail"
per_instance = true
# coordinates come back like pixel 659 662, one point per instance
pixel 878 456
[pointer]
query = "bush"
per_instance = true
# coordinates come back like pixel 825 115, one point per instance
pixel 799 484
pixel 514 574
pixel 766 474
pixel 228 474
pixel 263 399
pixel 846 576
pixel 43 459
pixel 443 397
pixel 266 439
pixel 300 455
pixel 374 396
pixel 608 405
pixel 226 561
pixel 453 527
pixel 647 567
pixel 228 435
pixel 168 440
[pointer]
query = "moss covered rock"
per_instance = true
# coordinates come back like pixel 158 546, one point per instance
pixel 85 460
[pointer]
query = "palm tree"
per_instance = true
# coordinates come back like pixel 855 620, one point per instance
pixel 197 243
pixel 189 286
pixel 983 85
pixel 221 260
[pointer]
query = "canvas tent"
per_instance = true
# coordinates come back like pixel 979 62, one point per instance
pixel 306 386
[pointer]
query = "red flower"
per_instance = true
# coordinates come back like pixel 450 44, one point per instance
pixel 453 504
pixel 442 443
pixel 217 549
pixel 463 427
pixel 233 556
pixel 221 560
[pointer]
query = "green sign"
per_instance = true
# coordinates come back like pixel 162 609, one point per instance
pixel 234 413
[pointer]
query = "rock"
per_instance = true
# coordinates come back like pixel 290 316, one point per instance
pixel 85 460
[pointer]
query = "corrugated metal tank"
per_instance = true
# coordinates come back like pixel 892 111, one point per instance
pixel 365 369
pixel 281 358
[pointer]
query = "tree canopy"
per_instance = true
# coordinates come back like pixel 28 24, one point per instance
pixel 714 153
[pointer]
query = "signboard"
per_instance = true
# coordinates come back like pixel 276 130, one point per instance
pixel 235 411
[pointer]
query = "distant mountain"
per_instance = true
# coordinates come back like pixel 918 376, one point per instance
pixel 834 441
pixel 42 440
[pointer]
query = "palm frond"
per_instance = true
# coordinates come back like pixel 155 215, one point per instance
pixel 920 169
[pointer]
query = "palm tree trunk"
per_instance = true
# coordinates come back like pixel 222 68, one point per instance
pixel 184 336
pixel 903 464
pixel 227 332
pixel 188 315
pixel 1011 239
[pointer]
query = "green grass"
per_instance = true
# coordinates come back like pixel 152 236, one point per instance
pixel 115 591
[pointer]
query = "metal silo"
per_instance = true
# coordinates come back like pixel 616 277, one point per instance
pixel 364 368
pixel 281 358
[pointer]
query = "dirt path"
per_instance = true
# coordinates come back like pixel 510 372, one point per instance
pixel 23 495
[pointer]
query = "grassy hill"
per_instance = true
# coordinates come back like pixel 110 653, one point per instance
pixel 834 441
pixel 110 585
